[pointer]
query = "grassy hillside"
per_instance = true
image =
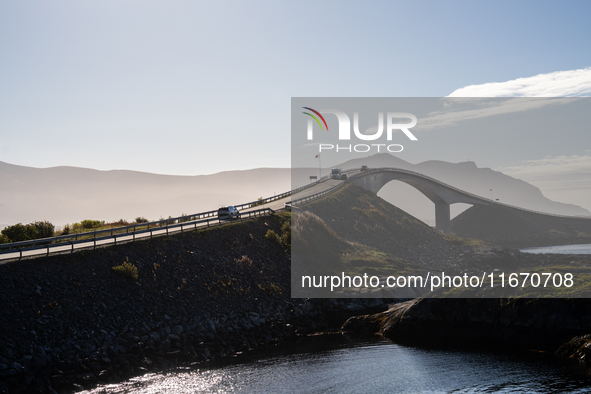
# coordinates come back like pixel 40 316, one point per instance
pixel 364 234
pixel 513 227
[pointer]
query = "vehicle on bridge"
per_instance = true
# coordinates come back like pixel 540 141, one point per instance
pixel 228 213
pixel 364 168
pixel 335 173
pixel 344 176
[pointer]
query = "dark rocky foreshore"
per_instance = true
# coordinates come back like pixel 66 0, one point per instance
pixel 540 324
pixel 68 322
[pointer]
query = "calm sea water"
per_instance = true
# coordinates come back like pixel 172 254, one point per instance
pixel 334 364
pixel 561 249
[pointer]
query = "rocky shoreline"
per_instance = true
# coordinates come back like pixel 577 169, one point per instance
pixel 559 326
pixel 94 357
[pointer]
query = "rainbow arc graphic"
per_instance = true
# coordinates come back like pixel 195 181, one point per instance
pixel 315 118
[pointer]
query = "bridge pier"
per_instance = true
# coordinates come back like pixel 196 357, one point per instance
pixel 442 217
pixel 441 194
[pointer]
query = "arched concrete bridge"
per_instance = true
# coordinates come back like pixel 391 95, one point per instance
pixel 441 194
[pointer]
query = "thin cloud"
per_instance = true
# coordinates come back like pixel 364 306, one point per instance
pixel 458 110
pixel 571 83
pixel 552 166
pixel 522 94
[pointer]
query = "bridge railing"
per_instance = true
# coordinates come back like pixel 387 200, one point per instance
pixel 274 198
pixel 92 239
pixel 135 228
pixel 543 213
pixel 302 200
pixel 158 223
pixel 484 199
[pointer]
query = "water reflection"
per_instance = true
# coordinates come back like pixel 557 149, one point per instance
pixel 339 365
pixel 561 249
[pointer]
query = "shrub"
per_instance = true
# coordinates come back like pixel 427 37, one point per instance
pixel 286 235
pixel 259 202
pixel 66 230
pixel 16 233
pixel 4 239
pixel 126 270
pixel 272 236
pixel 244 260
pixel 184 219
pixel 43 229
pixel 20 232
pixel 90 224
pixel 166 222
pixel 141 219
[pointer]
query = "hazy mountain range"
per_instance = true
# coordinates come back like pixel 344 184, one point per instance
pixel 70 194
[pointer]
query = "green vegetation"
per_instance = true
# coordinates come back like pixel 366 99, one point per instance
pixel 320 247
pixel 166 222
pixel 455 240
pixel 17 233
pixel 92 225
pixel 272 236
pixel 286 233
pixel 20 232
pixel 37 230
pixel 365 259
pixel 285 237
pixel 88 224
pixel 259 202
pixel 126 270
pixel 186 219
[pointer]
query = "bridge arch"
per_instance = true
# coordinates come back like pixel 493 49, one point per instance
pixel 441 194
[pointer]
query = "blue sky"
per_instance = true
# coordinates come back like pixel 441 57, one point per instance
pixel 187 87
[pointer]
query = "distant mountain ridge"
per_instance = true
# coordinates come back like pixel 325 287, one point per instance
pixel 70 194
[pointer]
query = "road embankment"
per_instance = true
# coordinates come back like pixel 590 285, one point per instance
pixel 69 322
